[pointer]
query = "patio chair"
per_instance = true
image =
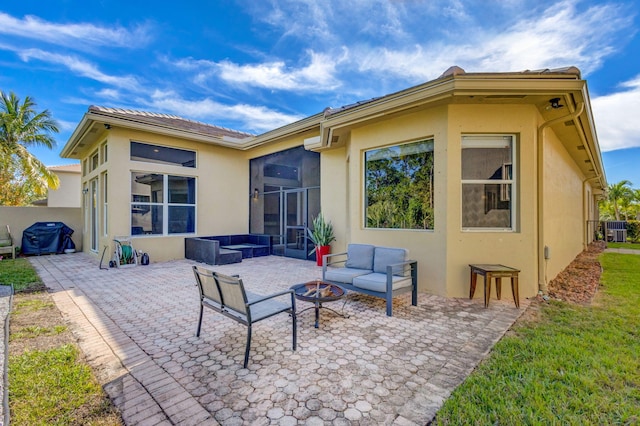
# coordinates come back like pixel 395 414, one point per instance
pixel 226 295
pixel 6 242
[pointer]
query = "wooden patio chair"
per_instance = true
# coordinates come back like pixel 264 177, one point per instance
pixel 226 295
pixel 6 242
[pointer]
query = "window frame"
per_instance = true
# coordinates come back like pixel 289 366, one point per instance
pixel 94 161
pixel 511 196
pixel 165 204
pixel 426 139
pixel 158 149
pixel 105 204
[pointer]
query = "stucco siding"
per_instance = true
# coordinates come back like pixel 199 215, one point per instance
pixel 68 193
pixel 428 247
pixel 221 187
pixel 516 248
pixel 563 220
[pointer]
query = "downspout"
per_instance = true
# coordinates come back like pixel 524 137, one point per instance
pixel 542 261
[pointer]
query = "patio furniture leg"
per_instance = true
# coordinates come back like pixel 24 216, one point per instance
pixel 246 352
pixel 499 287
pixel 389 305
pixel 294 318
pixel 199 320
pixel 514 290
pixel 474 280
pixel 295 330
pixel 487 288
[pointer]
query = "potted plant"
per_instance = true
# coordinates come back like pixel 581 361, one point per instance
pixel 321 235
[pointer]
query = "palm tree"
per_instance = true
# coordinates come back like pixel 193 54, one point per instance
pixel 21 128
pixel 619 193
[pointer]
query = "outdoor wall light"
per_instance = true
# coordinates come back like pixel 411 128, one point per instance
pixel 107 126
pixel 256 193
pixel 555 103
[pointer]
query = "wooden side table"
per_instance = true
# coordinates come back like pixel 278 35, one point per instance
pixel 490 271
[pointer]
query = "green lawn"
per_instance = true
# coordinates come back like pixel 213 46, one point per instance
pixel 576 365
pixel 50 383
pixel 21 274
pixel 632 246
pixel 49 387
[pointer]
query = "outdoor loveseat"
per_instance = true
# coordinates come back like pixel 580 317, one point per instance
pixel 383 272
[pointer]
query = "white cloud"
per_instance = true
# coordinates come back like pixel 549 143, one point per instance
pixel 74 35
pixel 66 126
pixel 251 118
pixel 317 76
pixel 80 67
pixel 561 36
pixel 616 117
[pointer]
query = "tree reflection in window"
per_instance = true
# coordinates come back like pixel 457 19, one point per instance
pixel 399 186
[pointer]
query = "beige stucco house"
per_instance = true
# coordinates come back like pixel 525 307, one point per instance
pixel 67 193
pixel 467 168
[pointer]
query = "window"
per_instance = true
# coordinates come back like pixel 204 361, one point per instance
pixel 162 204
pixel 105 204
pixel 399 186
pixel 488 185
pixel 93 162
pixel 104 153
pixel 162 155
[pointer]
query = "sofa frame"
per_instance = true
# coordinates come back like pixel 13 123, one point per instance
pixel 408 268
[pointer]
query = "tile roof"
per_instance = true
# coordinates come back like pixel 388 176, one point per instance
pixel 169 120
pixel 457 71
pixel 66 168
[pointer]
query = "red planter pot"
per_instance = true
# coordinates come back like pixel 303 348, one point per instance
pixel 321 251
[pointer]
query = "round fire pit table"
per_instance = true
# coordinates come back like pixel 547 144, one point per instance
pixel 319 292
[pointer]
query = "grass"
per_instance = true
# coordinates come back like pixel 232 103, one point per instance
pixel 34 331
pixel 50 383
pixel 50 387
pixel 21 274
pixel 632 246
pixel 574 365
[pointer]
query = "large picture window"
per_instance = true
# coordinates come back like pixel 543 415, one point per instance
pixel 399 186
pixel 488 182
pixel 162 204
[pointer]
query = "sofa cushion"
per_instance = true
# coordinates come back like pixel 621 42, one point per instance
pixel 378 282
pixel 344 275
pixel 5 243
pixel 385 256
pixel 360 256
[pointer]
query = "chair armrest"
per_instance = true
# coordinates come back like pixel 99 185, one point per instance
pixel 412 263
pixel 271 296
pixel 328 256
pixel 325 261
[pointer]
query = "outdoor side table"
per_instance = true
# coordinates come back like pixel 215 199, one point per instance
pixel 490 271
pixel 319 292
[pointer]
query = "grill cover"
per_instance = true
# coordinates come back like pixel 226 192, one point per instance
pixel 45 238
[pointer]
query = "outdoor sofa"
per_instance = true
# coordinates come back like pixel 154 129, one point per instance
pixel 250 245
pixel 384 272
pixel 226 249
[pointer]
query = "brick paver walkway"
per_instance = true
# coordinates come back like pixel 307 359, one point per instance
pixel 136 326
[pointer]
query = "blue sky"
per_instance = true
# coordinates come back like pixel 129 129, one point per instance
pixel 256 65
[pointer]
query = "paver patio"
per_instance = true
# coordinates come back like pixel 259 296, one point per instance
pixel 137 327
